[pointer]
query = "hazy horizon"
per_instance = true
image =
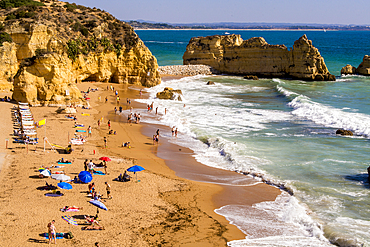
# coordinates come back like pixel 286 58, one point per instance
pixel 242 11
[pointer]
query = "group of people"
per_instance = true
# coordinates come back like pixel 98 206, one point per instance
pixel 96 195
pixel 91 166
pixel 133 117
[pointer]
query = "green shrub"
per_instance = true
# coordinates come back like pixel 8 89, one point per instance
pixel 5 37
pixel 4 4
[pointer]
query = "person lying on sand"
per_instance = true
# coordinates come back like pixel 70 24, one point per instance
pixel 62 160
pixel 71 209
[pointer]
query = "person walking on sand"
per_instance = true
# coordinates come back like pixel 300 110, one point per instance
pixel 105 141
pixel 89 131
pixel 106 99
pixel 108 190
pixel 173 131
pixel 117 100
pixel 108 124
pixel 52 232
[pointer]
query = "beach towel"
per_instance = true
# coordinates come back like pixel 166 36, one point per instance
pixel 99 173
pixel 65 163
pixel 80 130
pixel 91 228
pixel 85 114
pixel 53 195
pixel 79 125
pixel 60 235
pixel 69 117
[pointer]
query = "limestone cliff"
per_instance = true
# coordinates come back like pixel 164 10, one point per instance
pixel 59 44
pixel 230 54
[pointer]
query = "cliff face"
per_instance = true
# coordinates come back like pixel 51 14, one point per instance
pixel 230 54
pixel 60 47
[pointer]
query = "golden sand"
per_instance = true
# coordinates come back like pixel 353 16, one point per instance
pixel 162 209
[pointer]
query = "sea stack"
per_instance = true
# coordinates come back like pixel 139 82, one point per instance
pixel 48 47
pixel 231 54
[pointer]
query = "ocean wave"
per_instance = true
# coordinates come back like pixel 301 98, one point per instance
pixel 327 116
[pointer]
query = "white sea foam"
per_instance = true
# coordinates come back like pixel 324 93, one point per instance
pixel 282 222
pixel 327 116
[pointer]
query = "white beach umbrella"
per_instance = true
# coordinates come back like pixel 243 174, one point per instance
pixel 61 177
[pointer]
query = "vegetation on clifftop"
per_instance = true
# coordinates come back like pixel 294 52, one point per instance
pixel 81 29
pixel 5 4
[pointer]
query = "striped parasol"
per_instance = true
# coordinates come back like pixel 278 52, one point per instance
pixel 70 221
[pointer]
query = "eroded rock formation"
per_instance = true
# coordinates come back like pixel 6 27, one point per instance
pixel 64 44
pixel 232 55
pixel 363 68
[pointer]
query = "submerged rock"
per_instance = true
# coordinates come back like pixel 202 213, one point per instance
pixel 231 54
pixel 344 132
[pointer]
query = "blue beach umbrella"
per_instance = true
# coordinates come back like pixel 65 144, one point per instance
pixel 64 185
pixel 85 177
pixel 98 204
pixel 135 169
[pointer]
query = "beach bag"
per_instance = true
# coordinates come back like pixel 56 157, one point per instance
pixel 69 235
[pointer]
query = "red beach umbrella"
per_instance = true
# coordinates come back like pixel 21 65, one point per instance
pixel 104 158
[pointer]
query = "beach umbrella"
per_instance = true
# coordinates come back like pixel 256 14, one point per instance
pixel 70 221
pixel 64 186
pixel 85 177
pixel 98 204
pixel 135 169
pixel 104 158
pixel 61 177
pixel 45 172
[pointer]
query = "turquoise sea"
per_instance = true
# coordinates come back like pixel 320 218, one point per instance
pixel 283 132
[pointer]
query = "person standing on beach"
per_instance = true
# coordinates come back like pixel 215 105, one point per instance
pixel 98 123
pixel 176 132
pixel 156 110
pixel 52 232
pixel 89 131
pixel 108 190
pixel 165 111
pixel 85 165
pixel 91 167
pixel 106 99
pixel 105 141
pixel 117 100
pixel 109 124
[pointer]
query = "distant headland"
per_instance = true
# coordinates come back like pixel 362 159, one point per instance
pixel 141 24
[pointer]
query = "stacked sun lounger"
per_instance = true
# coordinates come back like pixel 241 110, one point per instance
pixel 25 130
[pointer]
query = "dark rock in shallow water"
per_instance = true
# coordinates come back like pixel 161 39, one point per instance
pixel 344 132
pixel 251 77
pixel 210 83
pixel 169 93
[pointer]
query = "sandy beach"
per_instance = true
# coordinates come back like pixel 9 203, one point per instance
pixel 165 207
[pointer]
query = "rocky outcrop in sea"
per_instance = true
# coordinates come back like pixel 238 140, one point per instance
pixel 362 69
pixel 231 54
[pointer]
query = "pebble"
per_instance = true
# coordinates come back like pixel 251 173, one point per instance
pixel 186 70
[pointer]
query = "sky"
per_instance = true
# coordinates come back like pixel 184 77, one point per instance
pixel 354 12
